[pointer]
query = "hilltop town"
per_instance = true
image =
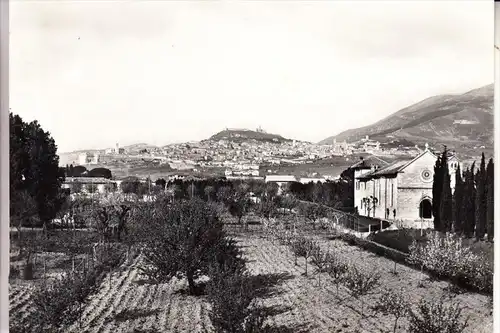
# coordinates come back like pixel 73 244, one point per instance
pixel 234 157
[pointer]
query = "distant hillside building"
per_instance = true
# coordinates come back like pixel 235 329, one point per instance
pixel 340 147
pixel 371 146
pixel 402 189
pixel 86 158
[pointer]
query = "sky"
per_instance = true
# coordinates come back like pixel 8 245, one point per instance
pixel 95 73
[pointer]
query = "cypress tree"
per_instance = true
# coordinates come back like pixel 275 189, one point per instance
pixel 465 226
pixel 481 205
pixel 457 202
pixel 490 200
pixel 446 204
pixel 470 203
pixel 437 186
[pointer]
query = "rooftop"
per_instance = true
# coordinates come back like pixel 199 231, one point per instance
pixel 88 180
pixel 281 178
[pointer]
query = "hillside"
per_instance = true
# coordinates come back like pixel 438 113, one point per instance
pixel 462 121
pixel 238 135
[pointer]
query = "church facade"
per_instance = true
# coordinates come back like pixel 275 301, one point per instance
pixel 401 190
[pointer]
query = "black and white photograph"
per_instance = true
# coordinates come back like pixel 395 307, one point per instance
pixel 250 166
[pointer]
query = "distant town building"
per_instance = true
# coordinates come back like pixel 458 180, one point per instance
pixel 86 158
pixel 340 148
pixel 371 146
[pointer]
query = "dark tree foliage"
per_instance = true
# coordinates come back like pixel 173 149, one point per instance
pixel 79 171
pixel 209 192
pixel 224 194
pixel 185 239
pixel 34 167
pixel 481 203
pixel 312 212
pixel 333 194
pixel 469 203
pixel 446 204
pixel 111 221
pixel 458 196
pixel 100 172
pixel 437 187
pixel 490 170
pixel 130 185
pixel 71 171
pixel 161 182
pixel 239 206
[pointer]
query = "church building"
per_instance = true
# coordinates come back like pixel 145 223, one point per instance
pixel 401 190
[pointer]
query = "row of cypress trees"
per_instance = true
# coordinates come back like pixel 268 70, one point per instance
pixel 469 210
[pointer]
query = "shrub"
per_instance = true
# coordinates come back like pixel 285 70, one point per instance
pixel 361 283
pixel 91 188
pixel 447 257
pixel 336 269
pixel 232 297
pixel 14 272
pixel 320 259
pixel 393 303
pixel 58 304
pixel 434 316
pixel 303 247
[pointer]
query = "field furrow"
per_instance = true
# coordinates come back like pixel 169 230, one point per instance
pixel 126 301
pixel 319 305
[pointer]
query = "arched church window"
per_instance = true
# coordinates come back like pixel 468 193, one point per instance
pixel 425 209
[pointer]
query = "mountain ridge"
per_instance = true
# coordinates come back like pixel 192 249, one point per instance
pixel 460 120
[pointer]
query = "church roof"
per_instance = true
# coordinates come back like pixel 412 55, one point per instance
pixel 366 163
pixel 392 168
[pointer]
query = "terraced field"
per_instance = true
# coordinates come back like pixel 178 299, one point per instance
pixel 126 302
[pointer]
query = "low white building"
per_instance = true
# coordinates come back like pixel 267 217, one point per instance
pixel 307 180
pixel 103 185
pixel 281 180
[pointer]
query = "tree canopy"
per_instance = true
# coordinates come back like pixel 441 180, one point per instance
pixel 34 167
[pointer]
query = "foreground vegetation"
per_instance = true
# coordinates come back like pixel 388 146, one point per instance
pixel 194 252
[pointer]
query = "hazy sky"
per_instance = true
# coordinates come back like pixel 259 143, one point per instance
pixel 95 72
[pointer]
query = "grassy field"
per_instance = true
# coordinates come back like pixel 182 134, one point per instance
pixel 127 302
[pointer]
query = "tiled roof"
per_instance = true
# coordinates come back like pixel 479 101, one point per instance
pixel 368 162
pixel 390 169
